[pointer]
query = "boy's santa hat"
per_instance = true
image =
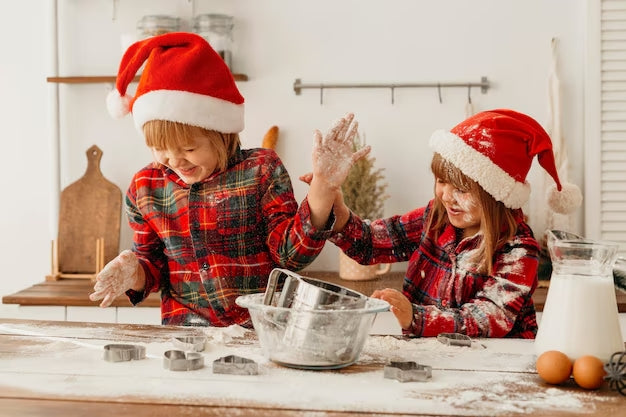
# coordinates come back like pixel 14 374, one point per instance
pixel 184 80
pixel 496 149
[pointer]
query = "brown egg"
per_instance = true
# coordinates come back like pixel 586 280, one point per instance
pixel 588 372
pixel 554 367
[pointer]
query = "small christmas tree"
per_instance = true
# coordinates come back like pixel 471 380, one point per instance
pixel 364 188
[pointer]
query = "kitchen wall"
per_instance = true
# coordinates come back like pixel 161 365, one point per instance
pixel 276 41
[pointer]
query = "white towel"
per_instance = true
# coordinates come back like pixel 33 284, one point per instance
pixel 541 218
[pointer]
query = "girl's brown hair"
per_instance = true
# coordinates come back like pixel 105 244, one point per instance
pixel 164 134
pixel 497 222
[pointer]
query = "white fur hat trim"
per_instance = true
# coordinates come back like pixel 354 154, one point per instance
pixel 481 169
pixel 565 201
pixel 118 106
pixel 190 108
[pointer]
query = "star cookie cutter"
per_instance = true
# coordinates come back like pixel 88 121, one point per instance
pixel 178 360
pixel 190 343
pixel 408 371
pixel 122 353
pixel 235 365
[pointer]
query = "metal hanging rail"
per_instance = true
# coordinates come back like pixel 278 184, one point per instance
pixel 484 85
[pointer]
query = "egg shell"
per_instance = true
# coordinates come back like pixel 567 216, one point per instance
pixel 554 367
pixel 588 372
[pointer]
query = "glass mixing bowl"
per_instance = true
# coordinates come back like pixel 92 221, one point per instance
pixel 311 339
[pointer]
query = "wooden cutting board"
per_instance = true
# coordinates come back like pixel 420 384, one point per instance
pixel 90 208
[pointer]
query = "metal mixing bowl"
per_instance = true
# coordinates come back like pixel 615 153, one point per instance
pixel 306 293
pixel 311 338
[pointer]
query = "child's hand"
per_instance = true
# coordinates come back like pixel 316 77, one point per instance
pixel 333 155
pixel 118 276
pixel 401 307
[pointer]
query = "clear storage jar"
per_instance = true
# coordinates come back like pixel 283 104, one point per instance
pixel 153 25
pixel 217 29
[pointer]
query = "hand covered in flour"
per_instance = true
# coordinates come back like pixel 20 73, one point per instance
pixel 333 153
pixel 118 276
pixel 401 307
pixel 333 156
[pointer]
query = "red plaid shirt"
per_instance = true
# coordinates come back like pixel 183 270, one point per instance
pixel 448 295
pixel 203 245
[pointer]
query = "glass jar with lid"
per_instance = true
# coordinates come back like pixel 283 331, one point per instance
pixel 217 29
pixel 153 25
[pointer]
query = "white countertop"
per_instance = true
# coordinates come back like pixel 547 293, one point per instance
pixel 53 360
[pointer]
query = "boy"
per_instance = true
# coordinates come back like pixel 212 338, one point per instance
pixel 210 220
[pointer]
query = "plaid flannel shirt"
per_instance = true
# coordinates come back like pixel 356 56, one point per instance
pixel 203 245
pixel 448 295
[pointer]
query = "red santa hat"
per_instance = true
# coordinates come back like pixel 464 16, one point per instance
pixel 184 80
pixel 496 149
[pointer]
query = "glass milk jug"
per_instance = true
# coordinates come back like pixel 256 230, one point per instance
pixel 580 315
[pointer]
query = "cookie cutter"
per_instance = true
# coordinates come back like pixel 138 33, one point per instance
pixel 408 371
pixel 122 353
pixel 457 339
pixel 235 365
pixel 178 360
pixel 454 339
pixel 190 343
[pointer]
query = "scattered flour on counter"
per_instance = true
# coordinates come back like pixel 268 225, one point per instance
pixel 429 351
pixel 509 399
pixel 225 334
pixel 360 388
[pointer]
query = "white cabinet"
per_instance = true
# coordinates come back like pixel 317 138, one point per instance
pixel 139 315
pixel 126 315
pixel 14 311
pixel 90 314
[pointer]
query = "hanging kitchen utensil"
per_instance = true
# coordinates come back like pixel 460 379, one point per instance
pixel 469 106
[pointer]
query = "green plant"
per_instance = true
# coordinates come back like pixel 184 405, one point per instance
pixel 364 188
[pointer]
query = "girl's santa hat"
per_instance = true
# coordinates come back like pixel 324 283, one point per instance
pixel 496 149
pixel 184 80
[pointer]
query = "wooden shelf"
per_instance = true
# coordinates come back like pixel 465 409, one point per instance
pixel 75 292
pixel 69 292
pixel 94 79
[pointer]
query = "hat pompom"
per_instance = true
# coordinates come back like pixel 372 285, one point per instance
pixel 118 106
pixel 565 201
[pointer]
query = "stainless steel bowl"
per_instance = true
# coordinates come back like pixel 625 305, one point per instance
pixel 306 293
pixel 311 338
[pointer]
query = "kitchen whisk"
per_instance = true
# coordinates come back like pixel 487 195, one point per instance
pixel 616 372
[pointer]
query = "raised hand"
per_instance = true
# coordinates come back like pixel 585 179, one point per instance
pixel 333 153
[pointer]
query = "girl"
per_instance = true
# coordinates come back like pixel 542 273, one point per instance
pixel 472 260
pixel 210 219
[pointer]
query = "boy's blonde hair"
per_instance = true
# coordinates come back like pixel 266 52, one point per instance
pixel 497 222
pixel 164 134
